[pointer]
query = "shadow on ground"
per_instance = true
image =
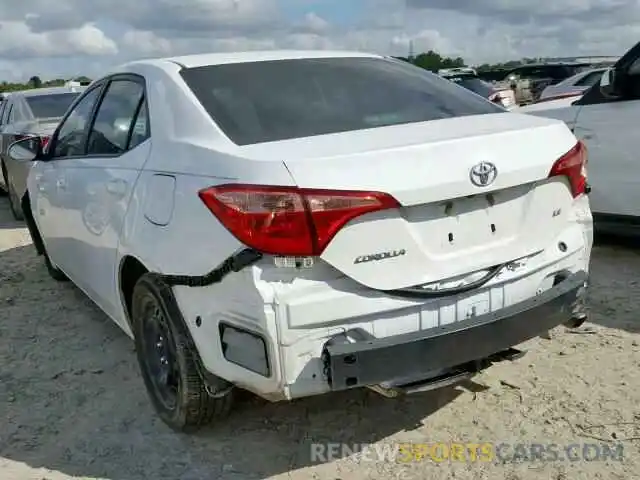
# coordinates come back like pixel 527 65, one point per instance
pixel 615 283
pixel 71 399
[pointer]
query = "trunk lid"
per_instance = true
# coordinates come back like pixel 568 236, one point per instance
pixel 447 226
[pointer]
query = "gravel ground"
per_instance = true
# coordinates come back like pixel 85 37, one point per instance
pixel 72 404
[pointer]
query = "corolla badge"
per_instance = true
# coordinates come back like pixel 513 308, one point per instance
pixel 375 257
pixel 483 174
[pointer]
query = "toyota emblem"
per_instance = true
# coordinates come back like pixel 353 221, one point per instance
pixel 483 174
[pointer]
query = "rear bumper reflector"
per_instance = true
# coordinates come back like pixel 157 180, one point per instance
pixel 359 360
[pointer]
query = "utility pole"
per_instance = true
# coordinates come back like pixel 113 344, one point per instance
pixel 411 56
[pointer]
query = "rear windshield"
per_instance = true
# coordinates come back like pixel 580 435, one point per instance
pixel 53 105
pixel 475 84
pixel 277 100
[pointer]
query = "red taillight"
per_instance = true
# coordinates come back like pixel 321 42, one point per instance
pixel 573 165
pixel 44 140
pixel 289 220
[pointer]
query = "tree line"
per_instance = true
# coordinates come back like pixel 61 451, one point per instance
pixel 37 82
pixel 433 61
pixel 430 60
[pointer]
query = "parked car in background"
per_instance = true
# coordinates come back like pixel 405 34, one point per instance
pixel 605 117
pixel 468 78
pixel 529 80
pixel 28 112
pixel 550 104
pixel 492 76
pixel 572 86
pixel 337 238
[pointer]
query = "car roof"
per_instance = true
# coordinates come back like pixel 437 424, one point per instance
pixel 220 58
pixel 581 75
pixel 554 64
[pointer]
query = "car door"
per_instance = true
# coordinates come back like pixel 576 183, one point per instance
pixel 3 114
pixel 11 132
pixel 5 125
pixel 611 132
pixel 101 183
pixel 47 190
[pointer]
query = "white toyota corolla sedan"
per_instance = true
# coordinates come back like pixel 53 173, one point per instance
pixel 296 223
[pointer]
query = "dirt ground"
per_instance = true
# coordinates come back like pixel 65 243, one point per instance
pixel 72 404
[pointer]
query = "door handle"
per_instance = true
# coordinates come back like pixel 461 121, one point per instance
pixel 61 184
pixel 117 187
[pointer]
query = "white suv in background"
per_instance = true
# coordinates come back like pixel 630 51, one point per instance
pixel 297 223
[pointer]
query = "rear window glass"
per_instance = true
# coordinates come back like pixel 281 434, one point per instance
pixel 47 106
pixel 277 100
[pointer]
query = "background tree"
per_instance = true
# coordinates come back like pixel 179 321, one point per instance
pixel 35 82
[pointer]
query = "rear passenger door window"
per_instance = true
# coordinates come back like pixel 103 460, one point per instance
pixel 589 79
pixel 140 130
pixel 116 122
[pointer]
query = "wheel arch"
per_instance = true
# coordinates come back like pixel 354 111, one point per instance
pixel 129 272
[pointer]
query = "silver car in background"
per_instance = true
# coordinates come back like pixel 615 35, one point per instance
pixel 468 78
pixel 574 85
pixel 28 112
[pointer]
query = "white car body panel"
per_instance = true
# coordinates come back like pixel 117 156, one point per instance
pixel 145 205
pixel 431 165
pixel 605 129
pixel 570 85
pixel 547 105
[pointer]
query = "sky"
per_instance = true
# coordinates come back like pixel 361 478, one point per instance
pixel 65 38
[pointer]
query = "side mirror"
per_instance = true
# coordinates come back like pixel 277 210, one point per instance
pixel 609 83
pixel 27 149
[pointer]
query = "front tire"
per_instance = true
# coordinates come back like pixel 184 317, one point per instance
pixel 54 272
pixel 4 191
pixel 168 360
pixel 14 201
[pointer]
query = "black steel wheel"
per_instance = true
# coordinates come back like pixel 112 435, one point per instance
pixel 54 272
pixel 168 360
pixel 159 350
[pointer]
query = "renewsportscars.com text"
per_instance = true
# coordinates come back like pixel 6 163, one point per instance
pixel 467 452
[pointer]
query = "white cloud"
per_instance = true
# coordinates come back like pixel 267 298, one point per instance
pixel 56 38
pixel 146 43
pixel 18 41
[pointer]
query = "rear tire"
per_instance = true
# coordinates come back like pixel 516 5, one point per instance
pixel 168 360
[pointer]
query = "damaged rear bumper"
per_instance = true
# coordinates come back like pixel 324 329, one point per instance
pixel 355 359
